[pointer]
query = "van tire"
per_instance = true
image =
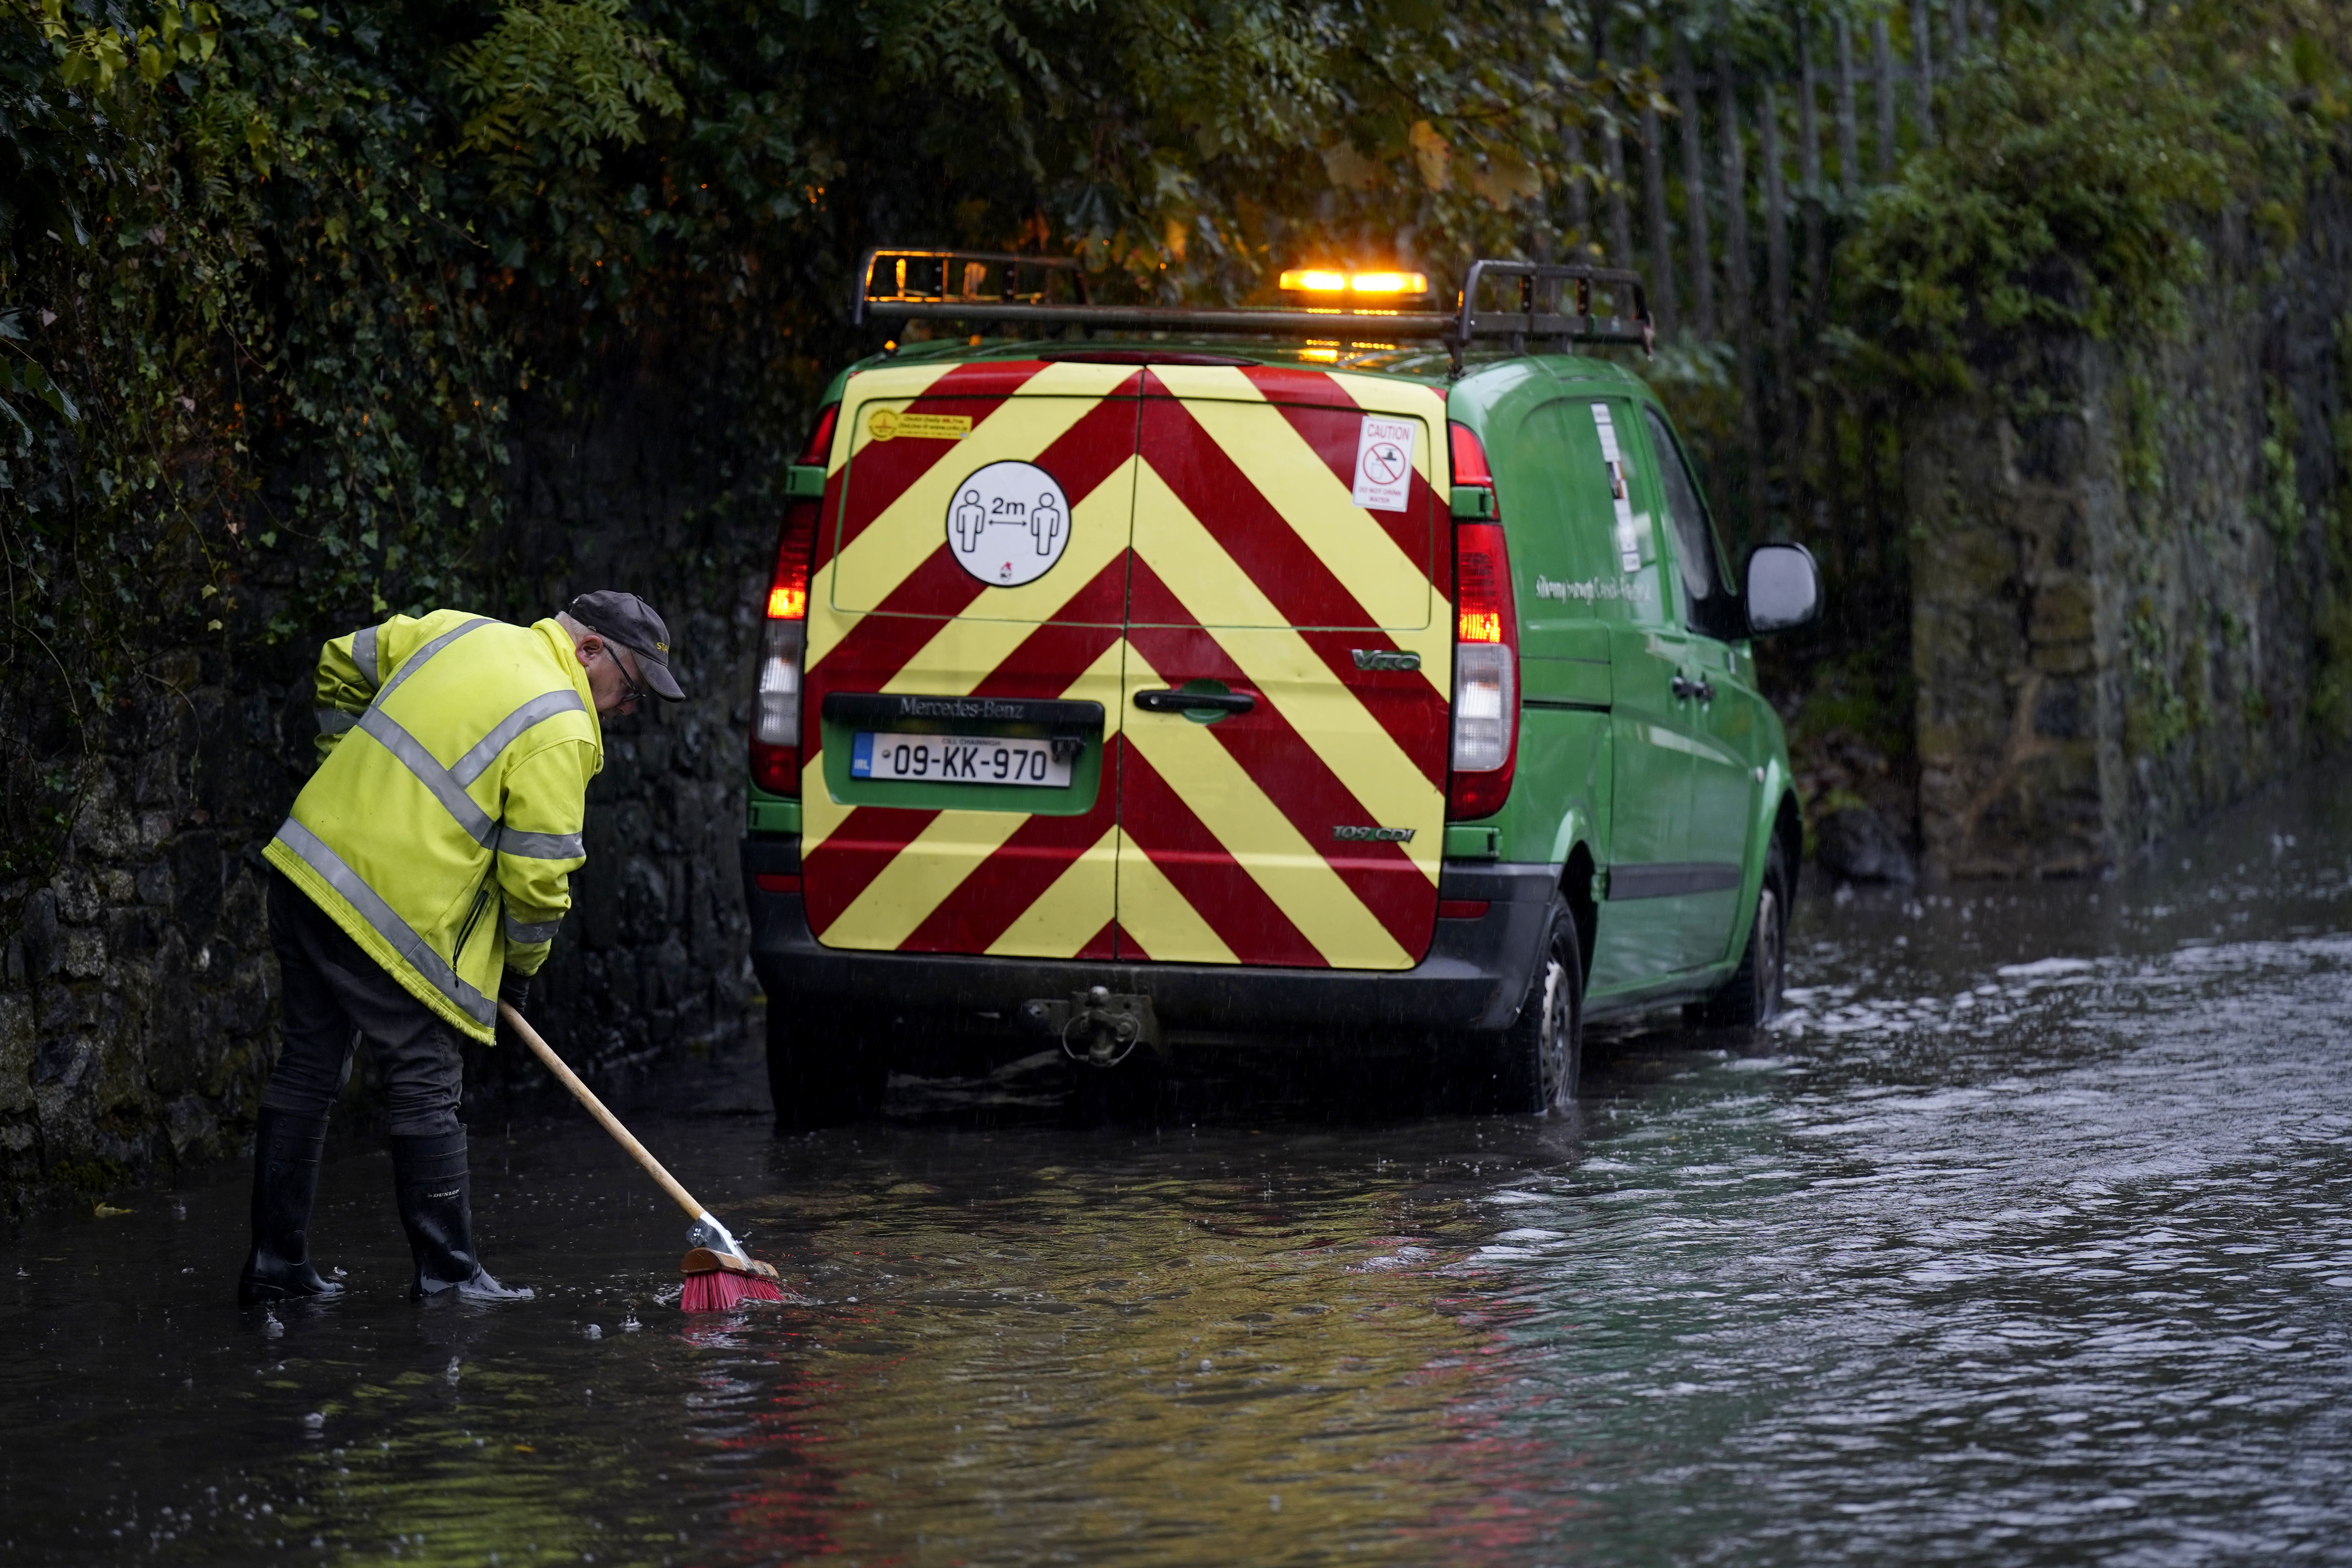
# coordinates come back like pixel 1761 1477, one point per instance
pixel 822 1071
pixel 1751 997
pixel 1538 1059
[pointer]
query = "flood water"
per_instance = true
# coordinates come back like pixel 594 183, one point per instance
pixel 2025 1238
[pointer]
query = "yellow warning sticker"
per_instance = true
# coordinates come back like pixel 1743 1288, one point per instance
pixel 886 424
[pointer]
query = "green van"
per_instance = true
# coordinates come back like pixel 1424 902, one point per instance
pixel 1137 675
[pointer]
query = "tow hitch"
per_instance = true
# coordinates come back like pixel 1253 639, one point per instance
pixel 1095 1026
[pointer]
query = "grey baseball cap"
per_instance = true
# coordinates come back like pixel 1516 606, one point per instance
pixel 629 620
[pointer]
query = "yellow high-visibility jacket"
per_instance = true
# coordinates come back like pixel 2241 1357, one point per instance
pixel 444 823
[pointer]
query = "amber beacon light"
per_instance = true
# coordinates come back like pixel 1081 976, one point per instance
pixel 1362 285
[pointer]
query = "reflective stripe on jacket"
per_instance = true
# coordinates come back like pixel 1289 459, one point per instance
pixel 444 823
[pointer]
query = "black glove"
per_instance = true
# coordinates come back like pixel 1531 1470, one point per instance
pixel 514 990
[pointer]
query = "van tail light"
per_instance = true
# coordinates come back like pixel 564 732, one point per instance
pixel 1485 653
pixel 776 711
pixel 819 447
pixel 1469 456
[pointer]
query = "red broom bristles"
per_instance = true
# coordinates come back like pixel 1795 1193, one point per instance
pixel 715 1281
pixel 722 1290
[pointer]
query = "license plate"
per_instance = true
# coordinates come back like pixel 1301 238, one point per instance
pixel 958 759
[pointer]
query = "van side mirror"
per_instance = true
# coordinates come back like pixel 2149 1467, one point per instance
pixel 1784 588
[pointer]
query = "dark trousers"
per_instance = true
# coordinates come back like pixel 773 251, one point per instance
pixel 333 990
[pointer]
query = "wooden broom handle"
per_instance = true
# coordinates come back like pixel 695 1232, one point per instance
pixel 587 1097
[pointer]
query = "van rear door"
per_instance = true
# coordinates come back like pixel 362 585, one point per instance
pixel 1287 681
pixel 965 658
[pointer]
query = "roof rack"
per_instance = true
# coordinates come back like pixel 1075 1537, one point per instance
pixel 954 285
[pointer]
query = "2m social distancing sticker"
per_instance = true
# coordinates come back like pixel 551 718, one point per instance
pixel 1008 523
pixel 1384 463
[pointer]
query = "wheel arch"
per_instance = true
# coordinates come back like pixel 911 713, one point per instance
pixel 1788 831
pixel 1576 879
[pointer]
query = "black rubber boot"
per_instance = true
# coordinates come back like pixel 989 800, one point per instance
pixel 436 1209
pixel 286 1149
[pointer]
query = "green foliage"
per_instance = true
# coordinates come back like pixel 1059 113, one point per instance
pixel 2155 714
pixel 1861 695
pixel 2143 437
pixel 20 376
pixel 92 57
pixel 2280 501
pixel 2061 191
pixel 247 385
pixel 563 77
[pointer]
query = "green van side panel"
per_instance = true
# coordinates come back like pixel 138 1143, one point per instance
pixel 1534 418
pixel 1559 793
pixel 1580 626
pixel 1586 821
pixel 1568 682
pixel 1563 779
pixel 1733 738
pixel 1778 787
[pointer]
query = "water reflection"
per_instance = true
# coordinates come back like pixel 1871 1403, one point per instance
pixel 2023 1237
pixel 1105 1360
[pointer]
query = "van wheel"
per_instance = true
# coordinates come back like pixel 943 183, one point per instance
pixel 1752 995
pixel 1542 1054
pixel 822 1072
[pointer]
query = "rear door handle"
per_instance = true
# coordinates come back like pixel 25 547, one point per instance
pixel 1682 688
pixel 1173 701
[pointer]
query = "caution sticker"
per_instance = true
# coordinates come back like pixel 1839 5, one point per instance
pixel 889 424
pixel 1384 463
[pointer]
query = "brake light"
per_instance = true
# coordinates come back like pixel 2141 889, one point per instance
pixel 819 449
pixel 1481 584
pixel 1469 456
pixel 776 711
pixel 1486 652
pixel 788 588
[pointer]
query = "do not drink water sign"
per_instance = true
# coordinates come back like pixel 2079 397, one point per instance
pixel 1384 463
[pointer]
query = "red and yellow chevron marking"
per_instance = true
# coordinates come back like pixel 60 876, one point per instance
pixel 1214 537
pixel 1067 418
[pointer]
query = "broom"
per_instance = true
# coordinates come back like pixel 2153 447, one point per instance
pixel 717 1277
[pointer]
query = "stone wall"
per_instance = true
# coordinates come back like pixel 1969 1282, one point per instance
pixel 2129 567
pixel 659 955
pixel 137 989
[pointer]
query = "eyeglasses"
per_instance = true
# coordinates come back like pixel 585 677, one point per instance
pixel 636 693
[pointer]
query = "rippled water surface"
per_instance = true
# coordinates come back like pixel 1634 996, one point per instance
pixel 2026 1237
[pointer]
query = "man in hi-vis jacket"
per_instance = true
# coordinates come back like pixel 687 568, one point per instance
pixel 420 879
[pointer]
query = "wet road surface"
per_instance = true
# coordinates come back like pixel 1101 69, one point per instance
pixel 2026 1237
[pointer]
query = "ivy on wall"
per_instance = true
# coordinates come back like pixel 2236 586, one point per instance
pixel 230 252
pixel 2064 188
pixel 2077 178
